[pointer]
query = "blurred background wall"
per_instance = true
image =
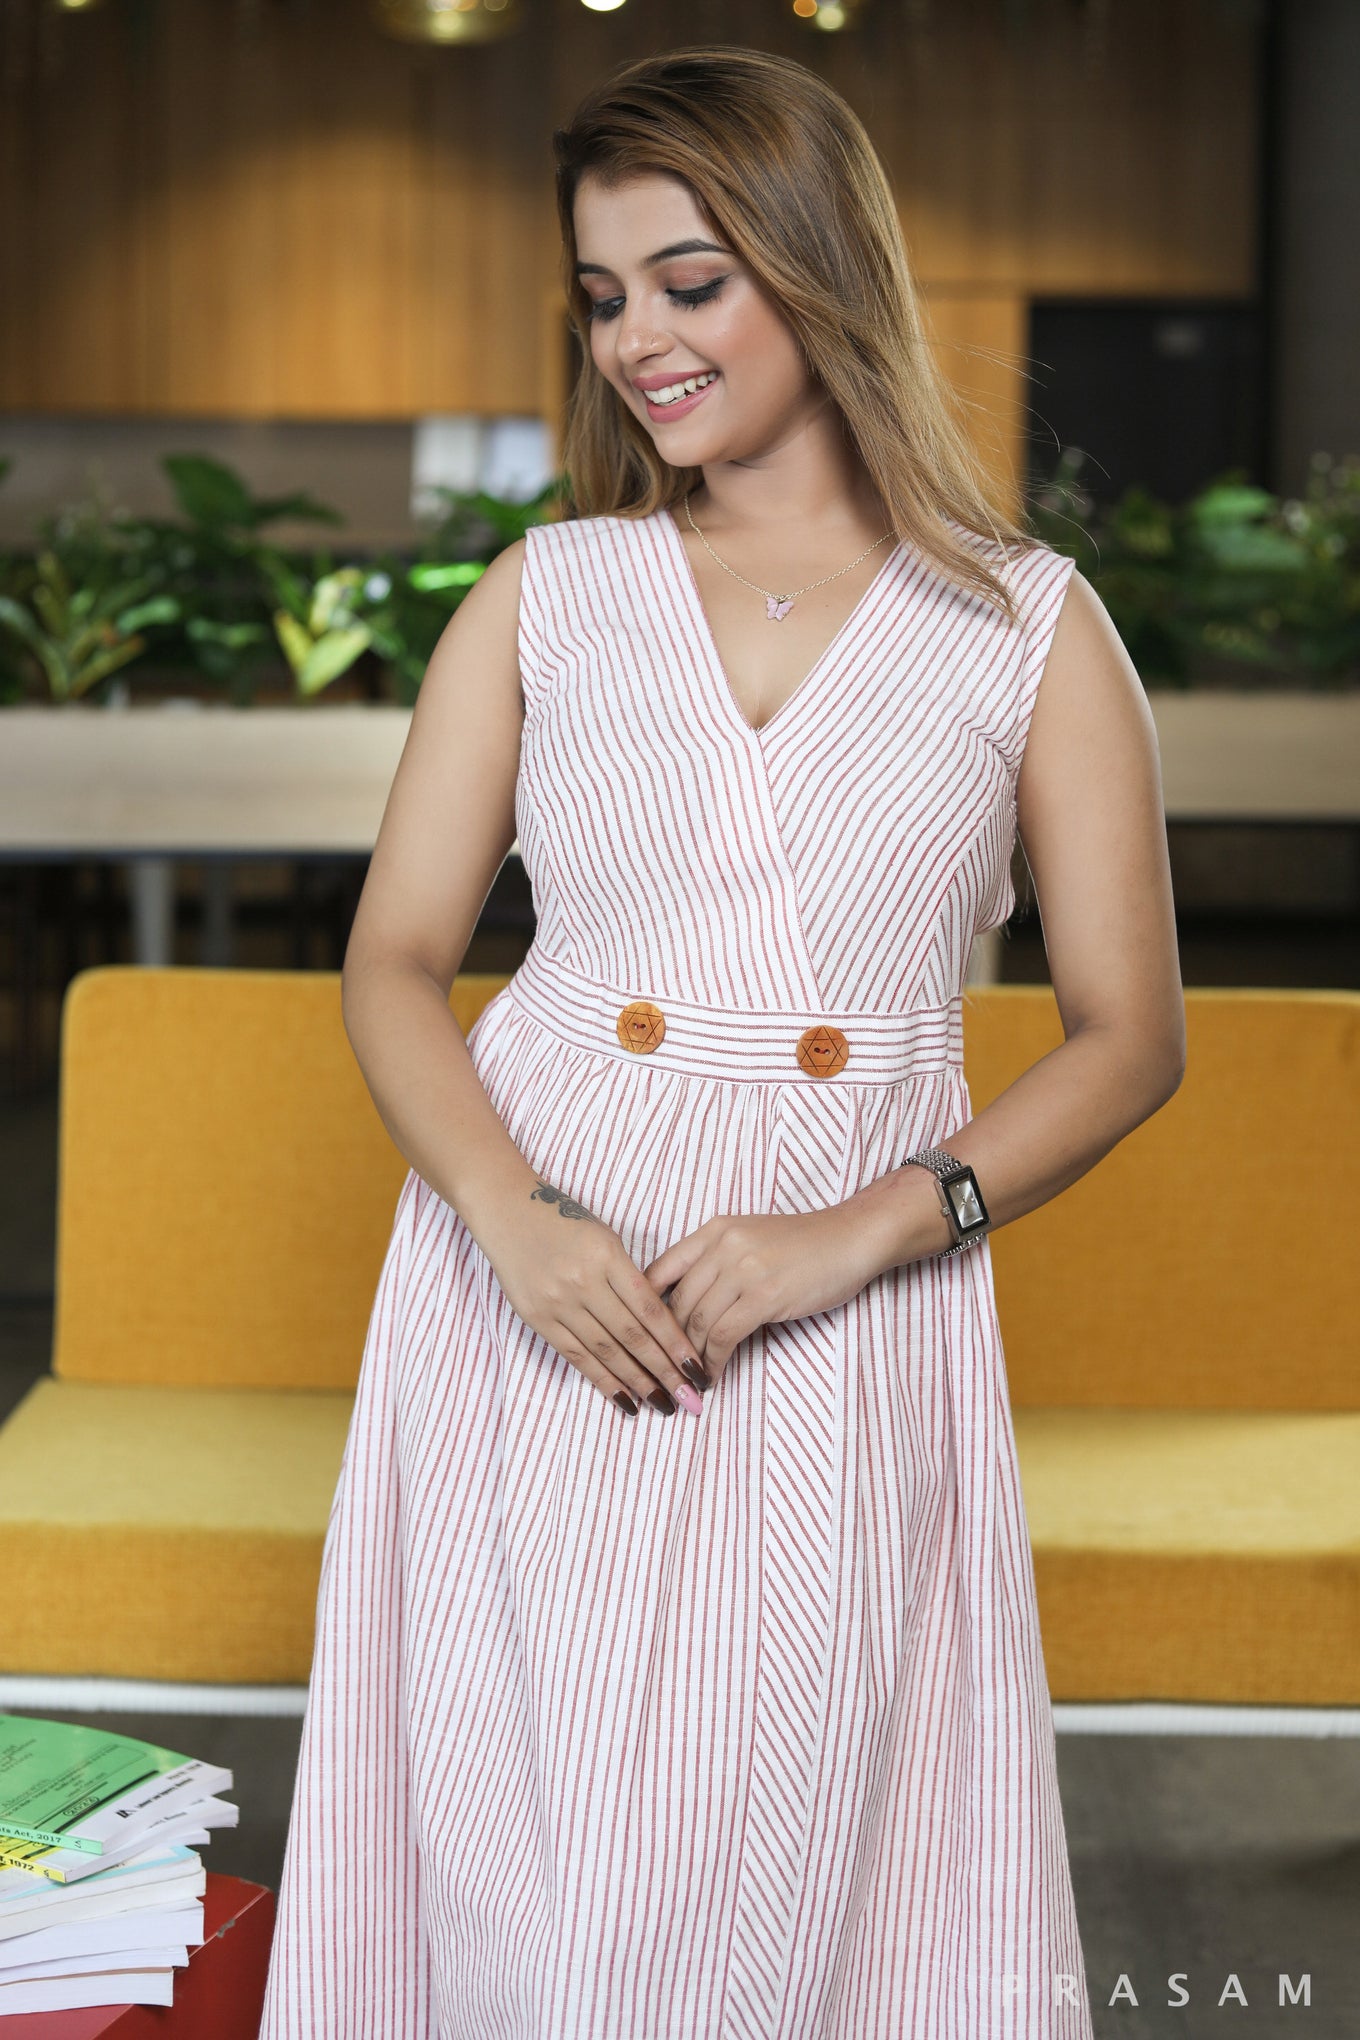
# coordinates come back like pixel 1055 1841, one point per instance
pixel 231 223
pixel 271 232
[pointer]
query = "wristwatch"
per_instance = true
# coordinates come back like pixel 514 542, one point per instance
pixel 959 1194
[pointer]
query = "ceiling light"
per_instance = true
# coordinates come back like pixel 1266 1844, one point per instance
pixel 829 15
pixel 448 21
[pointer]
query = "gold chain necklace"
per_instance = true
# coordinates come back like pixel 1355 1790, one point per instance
pixel 777 607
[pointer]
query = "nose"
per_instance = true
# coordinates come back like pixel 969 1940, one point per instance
pixel 639 336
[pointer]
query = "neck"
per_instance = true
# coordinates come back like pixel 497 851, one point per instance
pixel 835 520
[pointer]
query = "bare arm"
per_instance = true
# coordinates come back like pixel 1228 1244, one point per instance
pixel 448 824
pixel 1092 821
pixel 446 830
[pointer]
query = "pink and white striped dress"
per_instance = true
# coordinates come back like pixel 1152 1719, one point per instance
pixel 737 1727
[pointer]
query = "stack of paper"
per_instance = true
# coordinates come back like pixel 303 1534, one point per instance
pixel 101 1892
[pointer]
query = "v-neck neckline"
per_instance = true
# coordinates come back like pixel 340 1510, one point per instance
pixel 690 595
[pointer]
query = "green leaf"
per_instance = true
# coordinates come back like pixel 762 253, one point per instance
pixel 234 637
pixel 51 610
pixel 81 644
pixel 291 590
pixel 453 574
pixel 108 662
pixel 160 609
pixel 302 509
pixel 296 640
pixel 20 620
pixel 1254 548
pixel 53 575
pixel 208 492
pixel 1230 503
pixel 331 656
pixel 333 598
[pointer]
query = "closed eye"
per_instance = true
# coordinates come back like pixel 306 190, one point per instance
pixel 702 294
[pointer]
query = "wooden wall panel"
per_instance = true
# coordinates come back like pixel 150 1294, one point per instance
pixel 480 241
pixel 73 277
pixel 979 342
pixel 376 229
pixel 256 208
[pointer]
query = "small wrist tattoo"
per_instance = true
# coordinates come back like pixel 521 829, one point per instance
pixel 568 1206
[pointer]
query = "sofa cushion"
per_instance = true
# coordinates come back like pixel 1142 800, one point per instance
pixel 1196 1554
pixel 1205 1262
pixel 165 1533
pixel 226 1188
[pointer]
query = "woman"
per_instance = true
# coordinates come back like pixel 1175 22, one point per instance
pixel 677 1672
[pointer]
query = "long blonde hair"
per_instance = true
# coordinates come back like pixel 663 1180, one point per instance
pixel 784 172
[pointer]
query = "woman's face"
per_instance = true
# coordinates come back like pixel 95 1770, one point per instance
pixel 669 302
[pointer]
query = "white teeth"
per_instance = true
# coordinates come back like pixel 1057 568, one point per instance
pixel 674 391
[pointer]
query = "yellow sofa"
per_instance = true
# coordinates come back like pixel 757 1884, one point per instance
pixel 1179 1328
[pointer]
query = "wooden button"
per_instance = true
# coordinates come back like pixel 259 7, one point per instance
pixel 822 1051
pixel 641 1027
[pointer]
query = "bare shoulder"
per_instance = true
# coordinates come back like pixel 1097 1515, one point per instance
pixel 450 816
pixel 1090 695
pixel 479 646
pixel 1092 820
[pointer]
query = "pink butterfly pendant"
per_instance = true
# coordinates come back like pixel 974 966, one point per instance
pixel 777 610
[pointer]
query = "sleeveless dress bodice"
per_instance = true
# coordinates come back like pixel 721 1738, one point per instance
pixel 870 823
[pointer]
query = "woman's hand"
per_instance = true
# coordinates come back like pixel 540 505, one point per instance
pixel 571 1279
pixel 736 1272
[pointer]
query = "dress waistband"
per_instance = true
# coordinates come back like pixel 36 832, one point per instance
pixel 698 1040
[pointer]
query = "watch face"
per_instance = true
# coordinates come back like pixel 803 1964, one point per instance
pixel 966 1200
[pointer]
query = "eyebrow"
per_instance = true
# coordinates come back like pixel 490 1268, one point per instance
pixel 662 255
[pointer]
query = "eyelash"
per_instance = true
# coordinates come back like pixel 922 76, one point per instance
pixel 702 294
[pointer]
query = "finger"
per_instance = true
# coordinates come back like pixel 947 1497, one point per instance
pixel 678 1258
pixel 726 1333
pixel 653 1334
pixel 613 1352
pixel 633 1354
pixel 702 1316
pixel 574 1340
pixel 689 1292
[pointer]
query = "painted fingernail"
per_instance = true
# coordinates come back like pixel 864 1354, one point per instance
pixel 626 1403
pixel 661 1401
pixel 688 1400
pixel 695 1372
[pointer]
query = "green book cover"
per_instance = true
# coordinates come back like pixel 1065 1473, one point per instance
pixel 55 1774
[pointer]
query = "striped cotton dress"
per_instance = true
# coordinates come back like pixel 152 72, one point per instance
pixel 736 1727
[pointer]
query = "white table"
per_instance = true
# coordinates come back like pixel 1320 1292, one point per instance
pixel 146 786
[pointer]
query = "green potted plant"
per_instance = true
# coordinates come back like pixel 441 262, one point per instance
pixel 111 607
pixel 1241 612
pixel 392 609
pixel 1236 588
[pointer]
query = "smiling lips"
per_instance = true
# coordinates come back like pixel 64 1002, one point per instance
pixel 681 395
